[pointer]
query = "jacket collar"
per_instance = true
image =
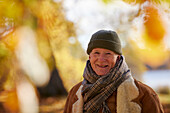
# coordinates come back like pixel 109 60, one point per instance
pixel 126 92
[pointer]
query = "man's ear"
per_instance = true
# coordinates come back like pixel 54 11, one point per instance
pixel 118 57
pixel 89 57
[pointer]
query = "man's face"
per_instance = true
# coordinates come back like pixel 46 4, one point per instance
pixel 102 60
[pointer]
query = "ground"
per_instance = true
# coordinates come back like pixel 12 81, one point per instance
pixel 56 105
pixel 52 105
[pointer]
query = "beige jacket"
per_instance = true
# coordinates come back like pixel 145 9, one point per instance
pixel 131 96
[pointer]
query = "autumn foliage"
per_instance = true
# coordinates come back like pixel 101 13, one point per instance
pixel 154 24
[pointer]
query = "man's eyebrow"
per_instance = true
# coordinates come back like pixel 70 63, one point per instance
pixel 108 51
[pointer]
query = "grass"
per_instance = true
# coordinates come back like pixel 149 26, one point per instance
pixel 164 98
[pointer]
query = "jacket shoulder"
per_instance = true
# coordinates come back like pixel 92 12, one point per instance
pixel 72 94
pixel 148 99
pixel 71 98
pixel 144 88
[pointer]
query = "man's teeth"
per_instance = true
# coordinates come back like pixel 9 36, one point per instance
pixel 103 66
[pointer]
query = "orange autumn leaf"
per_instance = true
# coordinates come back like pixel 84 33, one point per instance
pixel 154 25
pixel 10 40
pixel 10 101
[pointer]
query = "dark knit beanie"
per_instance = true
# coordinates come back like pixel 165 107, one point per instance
pixel 105 39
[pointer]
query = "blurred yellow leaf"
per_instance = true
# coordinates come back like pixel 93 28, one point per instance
pixel 134 1
pixel 11 9
pixel 11 41
pixel 106 1
pixel 149 53
pixel 154 25
pixel 10 101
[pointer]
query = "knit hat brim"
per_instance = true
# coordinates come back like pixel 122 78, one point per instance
pixel 105 45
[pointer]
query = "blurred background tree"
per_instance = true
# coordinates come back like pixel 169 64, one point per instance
pixel 35 33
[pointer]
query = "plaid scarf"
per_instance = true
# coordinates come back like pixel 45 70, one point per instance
pixel 96 89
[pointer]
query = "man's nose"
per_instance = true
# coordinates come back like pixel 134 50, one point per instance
pixel 102 57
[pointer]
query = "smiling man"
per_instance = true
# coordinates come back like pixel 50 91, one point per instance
pixel 108 86
pixel 102 60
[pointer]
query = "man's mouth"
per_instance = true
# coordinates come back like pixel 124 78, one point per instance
pixel 102 66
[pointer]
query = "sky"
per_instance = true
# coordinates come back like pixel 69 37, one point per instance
pixel 92 15
pixel 152 78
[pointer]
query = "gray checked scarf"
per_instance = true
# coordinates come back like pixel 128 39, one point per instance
pixel 96 89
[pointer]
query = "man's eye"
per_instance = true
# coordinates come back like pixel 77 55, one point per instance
pixel 108 53
pixel 96 53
